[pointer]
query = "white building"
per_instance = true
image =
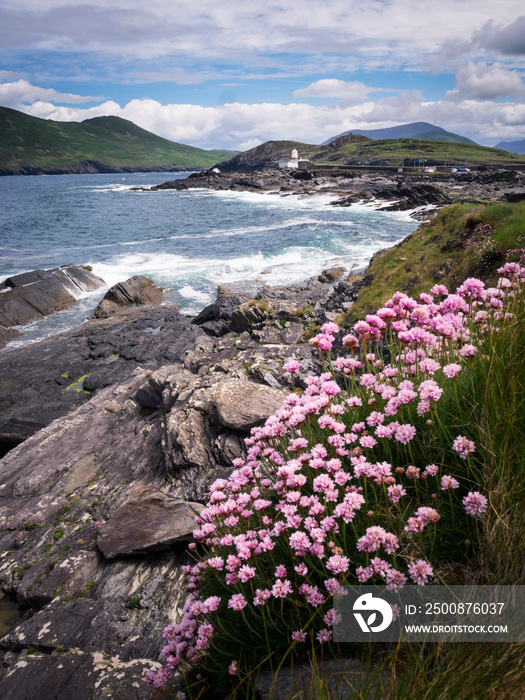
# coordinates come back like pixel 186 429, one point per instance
pixel 294 161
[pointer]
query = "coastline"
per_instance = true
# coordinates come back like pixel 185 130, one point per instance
pixel 171 401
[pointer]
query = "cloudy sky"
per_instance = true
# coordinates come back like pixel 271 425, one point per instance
pixel 235 73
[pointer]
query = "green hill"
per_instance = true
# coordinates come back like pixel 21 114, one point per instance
pixel 29 145
pixel 352 150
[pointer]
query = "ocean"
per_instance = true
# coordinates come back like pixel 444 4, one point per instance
pixel 187 242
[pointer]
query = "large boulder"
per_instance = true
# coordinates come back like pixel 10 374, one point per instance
pixel 241 404
pixel 138 290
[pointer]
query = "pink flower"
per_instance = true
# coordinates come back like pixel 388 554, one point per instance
pixel 280 571
pixel 261 596
pixel 475 503
pixel 420 571
pixel 450 371
pixel 338 564
pixel 232 668
pixel 448 482
pixel 246 573
pixel 298 636
pixel 395 580
pixel 395 491
pixel 292 366
pixel 280 589
pixel 404 433
pixel 211 604
pixel 468 351
pixel 237 602
pixel 431 470
pixel 463 446
pixel 324 635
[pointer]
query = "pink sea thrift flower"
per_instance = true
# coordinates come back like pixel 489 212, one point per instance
pixel 232 668
pixel 450 371
pixel 420 571
pixel 280 589
pixel 395 491
pixel 237 602
pixel 292 366
pixel 338 564
pixel 463 446
pixel 448 482
pixel 475 503
pixel 298 636
pixel 404 433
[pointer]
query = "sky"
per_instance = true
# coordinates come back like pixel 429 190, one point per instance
pixel 233 74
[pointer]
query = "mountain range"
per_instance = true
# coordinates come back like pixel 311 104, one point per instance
pixel 512 146
pixel 417 130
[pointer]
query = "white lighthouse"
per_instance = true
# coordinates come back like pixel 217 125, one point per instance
pixel 294 161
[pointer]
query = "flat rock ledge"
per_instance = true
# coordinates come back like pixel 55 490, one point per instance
pixel 146 521
pixel 31 295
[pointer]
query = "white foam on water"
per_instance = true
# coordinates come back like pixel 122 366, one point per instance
pixel 189 292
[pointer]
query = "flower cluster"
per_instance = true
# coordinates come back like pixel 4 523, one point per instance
pixel 330 492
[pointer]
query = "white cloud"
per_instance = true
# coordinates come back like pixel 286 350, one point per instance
pixel 240 126
pixel 15 94
pixel 349 92
pixel 379 32
pixel 480 81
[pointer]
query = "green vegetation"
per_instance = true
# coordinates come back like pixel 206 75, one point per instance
pixel 462 241
pixel 388 152
pixel 31 143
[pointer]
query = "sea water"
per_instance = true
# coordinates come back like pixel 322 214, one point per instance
pixel 187 241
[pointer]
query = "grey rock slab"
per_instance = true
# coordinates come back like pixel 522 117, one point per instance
pixel 39 382
pixel 147 520
pixel 73 675
pixel 242 404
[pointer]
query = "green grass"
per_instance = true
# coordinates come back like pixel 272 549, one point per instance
pixel 450 239
pixel 391 152
pixel 43 143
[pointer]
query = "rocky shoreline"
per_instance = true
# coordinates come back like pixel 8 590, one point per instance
pixel 114 432
pixel 392 192
pixel 171 401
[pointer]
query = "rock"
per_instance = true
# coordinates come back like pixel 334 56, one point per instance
pixel 137 290
pixel 39 293
pixel 77 671
pixel 40 382
pixel 147 520
pixel 242 404
pixel 332 274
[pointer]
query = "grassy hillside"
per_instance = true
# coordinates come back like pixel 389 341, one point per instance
pixel 346 151
pixel 462 241
pixel 30 143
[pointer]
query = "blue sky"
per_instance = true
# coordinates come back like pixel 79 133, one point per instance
pixel 236 73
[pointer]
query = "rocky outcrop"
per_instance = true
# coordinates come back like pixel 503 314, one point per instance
pixel 40 382
pixel 96 508
pixel 404 191
pixel 138 290
pixel 31 295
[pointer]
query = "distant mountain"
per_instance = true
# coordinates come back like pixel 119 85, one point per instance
pixel 512 146
pixel 417 130
pixel 30 146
